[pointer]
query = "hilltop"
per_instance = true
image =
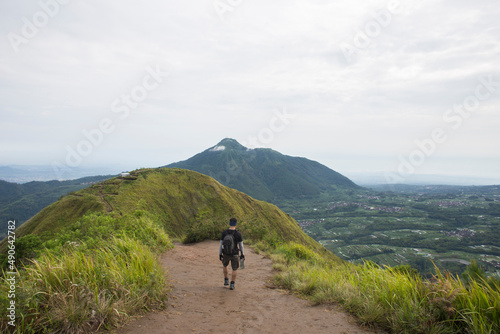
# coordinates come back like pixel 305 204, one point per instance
pixel 265 174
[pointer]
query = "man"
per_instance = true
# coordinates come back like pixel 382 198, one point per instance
pixel 237 246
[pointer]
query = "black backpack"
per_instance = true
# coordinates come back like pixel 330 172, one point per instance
pixel 228 244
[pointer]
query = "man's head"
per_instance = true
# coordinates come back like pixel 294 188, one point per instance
pixel 232 222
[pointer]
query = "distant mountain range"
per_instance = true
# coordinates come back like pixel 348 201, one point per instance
pixel 28 173
pixel 367 179
pixel 263 173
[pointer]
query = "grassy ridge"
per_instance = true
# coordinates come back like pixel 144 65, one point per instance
pixel 182 201
pixel 55 216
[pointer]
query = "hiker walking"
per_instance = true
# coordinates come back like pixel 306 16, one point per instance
pixel 231 243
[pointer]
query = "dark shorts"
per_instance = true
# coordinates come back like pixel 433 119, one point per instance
pixel 235 261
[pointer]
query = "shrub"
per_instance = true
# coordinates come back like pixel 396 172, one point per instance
pixel 203 230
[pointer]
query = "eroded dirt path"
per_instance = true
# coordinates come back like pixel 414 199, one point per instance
pixel 199 302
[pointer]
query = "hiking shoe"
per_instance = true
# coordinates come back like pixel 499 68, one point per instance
pixel 231 286
pixel 226 281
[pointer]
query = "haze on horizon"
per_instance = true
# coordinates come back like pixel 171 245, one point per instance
pixel 393 88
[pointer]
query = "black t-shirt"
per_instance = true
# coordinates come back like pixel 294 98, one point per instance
pixel 237 238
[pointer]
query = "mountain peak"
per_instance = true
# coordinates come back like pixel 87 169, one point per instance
pixel 228 144
pixel 265 174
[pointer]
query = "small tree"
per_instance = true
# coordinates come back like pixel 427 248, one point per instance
pixel 474 272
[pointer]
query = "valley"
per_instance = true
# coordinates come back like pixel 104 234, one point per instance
pixel 446 226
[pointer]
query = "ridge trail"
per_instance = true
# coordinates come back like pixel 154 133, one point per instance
pixel 199 303
pixel 109 208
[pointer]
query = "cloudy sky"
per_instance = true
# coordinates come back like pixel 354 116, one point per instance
pixel 396 87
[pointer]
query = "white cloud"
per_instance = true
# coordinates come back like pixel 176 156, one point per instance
pixel 227 77
pixel 218 148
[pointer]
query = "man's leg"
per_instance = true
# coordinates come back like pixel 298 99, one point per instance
pixel 225 263
pixel 233 275
pixel 235 263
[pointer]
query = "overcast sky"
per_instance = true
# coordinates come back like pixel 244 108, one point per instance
pixel 397 87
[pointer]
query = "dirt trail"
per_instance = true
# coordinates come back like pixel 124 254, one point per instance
pixel 199 303
pixel 109 208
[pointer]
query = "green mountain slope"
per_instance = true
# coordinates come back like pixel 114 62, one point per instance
pixel 20 202
pixel 264 173
pixel 189 205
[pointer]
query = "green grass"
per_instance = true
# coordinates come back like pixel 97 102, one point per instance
pixel 93 275
pixel 394 299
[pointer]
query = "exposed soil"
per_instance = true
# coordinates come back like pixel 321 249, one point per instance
pixel 200 303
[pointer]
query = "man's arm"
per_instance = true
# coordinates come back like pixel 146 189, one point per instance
pixel 223 234
pixel 220 251
pixel 241 249
pixel 220 245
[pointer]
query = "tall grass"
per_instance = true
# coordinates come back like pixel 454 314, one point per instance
pixel 93 282
pixel 478 306
pixel 396 300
